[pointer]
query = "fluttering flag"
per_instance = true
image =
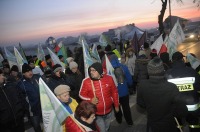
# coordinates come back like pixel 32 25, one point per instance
pixel 95 53
pixel 171 47
pixel 40 53
pixel 62 51
pixel 110 70
pixel 103 40
pixel 87 58
pixel 19 58
pixel 10 57
pixel 157 44
pixel 142 40
pixel 163 49
pixel 135 44
pixel 55 59
pixel 53 111
pixel 193 61
pixel 177 35
pixel 22 52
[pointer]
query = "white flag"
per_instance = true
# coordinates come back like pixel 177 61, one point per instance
pixel 157 44
pixel 20 60
pixel 10 57
pixel 53 111
pixel 110 70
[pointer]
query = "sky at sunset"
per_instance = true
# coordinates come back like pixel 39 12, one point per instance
pixel 33 21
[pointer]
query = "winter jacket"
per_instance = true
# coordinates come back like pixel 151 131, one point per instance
pixel 11 106
pixel 140 71
pixel 162 101
pixel 71 126
pixel 105 91
pixel 30 90
pixel 122 87
pixel 179 70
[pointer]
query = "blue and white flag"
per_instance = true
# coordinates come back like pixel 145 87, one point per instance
pixel 55 59
pixel 95 53
pixel 110 70
pixel 193 61
pixel 88 61
pixel 10 57
pixel 40 53
pixel 53 112
pixel 102 40
pixel 20 60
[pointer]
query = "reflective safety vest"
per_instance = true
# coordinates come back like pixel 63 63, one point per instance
pixel 185 84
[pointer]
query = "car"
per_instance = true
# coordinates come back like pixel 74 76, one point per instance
pixel 192 33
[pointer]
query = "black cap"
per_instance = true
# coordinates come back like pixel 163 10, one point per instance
pixel 97 66
pixel 47 57
pixel 14 68
pixel 60 56
pixel 26 68
pixel 177 56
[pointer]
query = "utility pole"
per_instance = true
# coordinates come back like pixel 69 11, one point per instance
pixel 170 19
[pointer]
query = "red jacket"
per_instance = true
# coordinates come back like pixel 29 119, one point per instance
pixel 105 91
pixel 71 126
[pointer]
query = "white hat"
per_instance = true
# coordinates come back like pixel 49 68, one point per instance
pixel 60 89
pixel 69 59
pixel 72 65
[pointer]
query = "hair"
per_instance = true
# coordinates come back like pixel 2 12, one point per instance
pixel 85 109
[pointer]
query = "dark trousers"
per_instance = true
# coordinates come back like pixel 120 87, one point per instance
pixel 124 102
pixel 35 121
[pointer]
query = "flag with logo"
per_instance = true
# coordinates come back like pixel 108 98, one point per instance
pixel 176 35
pixel 103 40
pixel 22 52
pixel 40 53
pixel 88 61
pixel 53 111
pixel 193 61
pixel 95 53
pixel 19 58
pixel 55 59
pixel 10 57
pixel 110 70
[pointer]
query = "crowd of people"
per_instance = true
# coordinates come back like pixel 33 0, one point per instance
pixel 167 89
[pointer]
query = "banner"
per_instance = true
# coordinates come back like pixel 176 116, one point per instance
pixel 95 53
pixel 53 111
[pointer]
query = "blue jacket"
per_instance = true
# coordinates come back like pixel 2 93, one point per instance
pixel 128 81
pixel 30 90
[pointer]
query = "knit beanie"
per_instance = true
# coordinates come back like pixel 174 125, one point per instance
pixel 60 56
pixel 97 66
pixel 177 56
pixel 155 67
pixel 69 59
pixel 26 68
pixel 60 89
pixel 56 67
pixel 72 65
pixel 14 68
pixel 47 57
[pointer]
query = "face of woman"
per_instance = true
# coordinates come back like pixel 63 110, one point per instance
pixel 64 97
pixel 90 119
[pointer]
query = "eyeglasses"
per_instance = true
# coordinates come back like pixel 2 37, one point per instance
pixel 93 70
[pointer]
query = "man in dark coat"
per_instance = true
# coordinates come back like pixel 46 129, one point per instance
pixel 160 98
pixel 11 107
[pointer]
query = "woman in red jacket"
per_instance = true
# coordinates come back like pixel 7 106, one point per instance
pixel 83 119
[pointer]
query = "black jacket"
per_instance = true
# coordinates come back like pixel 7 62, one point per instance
pixel 11 106
pixel 160 98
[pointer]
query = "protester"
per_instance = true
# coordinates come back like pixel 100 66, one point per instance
pixel 100 89
pixel 11 107
pixel 100 51
pixel 76 78
pixel 153 53
pixel 6 70
pixel 29 86
pixel 188 88
pixel 165 59
pixel 130 63
pixel 160 98
pixel 84 117
pixel 124 81
pixel 58 77
pixel 15 75
pixel 140 71
pixel 49 61
pixel 35 69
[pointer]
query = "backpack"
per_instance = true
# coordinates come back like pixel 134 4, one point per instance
pixel 119 74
